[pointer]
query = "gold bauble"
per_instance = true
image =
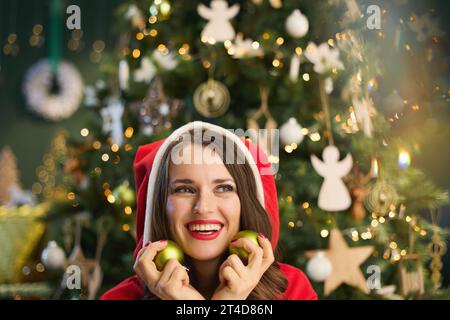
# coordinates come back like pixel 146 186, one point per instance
pixel 380 198
pixel 211 99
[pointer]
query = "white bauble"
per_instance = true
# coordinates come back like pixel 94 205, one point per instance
pixel 291 132
pixel 53 256
pixel 319 267
pixel 297 24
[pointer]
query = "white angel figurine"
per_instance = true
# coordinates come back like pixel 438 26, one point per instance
pixel 333 195
pixel 219 27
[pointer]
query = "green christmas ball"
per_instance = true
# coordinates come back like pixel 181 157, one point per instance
pixel 171 251
pixel 124 195
pixel 239 251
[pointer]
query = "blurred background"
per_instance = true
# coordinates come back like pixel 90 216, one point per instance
pixel 84 83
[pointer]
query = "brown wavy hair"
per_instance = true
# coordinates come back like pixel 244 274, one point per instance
pixel 253 216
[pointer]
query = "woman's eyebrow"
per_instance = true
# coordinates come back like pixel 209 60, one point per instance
pixel 182 181
pixel 189 181
pixel 223 180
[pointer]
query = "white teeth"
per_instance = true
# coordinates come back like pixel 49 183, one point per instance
pixel 205 227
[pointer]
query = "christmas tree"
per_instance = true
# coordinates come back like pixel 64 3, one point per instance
pixel 344 93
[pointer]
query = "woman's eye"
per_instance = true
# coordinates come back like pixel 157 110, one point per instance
pixel 184 190
pixel 225 188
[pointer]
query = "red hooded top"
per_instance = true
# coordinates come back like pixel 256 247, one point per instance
pixel 148 157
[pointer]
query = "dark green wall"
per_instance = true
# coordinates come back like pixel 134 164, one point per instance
pixel 28 135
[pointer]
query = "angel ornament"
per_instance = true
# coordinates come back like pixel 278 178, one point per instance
pixel 219 27
pixel 333 195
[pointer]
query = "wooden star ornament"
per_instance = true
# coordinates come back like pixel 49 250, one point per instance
pixel 345 261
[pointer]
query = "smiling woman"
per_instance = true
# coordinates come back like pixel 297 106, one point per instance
pixel 202 206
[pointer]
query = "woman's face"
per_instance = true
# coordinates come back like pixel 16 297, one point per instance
pixel 202 205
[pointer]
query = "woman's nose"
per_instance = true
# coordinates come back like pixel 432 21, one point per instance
pixel 204 203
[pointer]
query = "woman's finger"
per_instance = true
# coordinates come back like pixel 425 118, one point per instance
pixel 236 263
pixel 231 277
pixel 255 252
pixel 148 267
pixel 166 273
pixel 268 257
pixel 179 275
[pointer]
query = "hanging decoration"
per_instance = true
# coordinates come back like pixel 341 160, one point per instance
pixel 381 197
pixel 53 89
pixel 264 138
pixel 345 262
pixel 358 190
pixel 411 281
pixel 112 120
pixel 436 250
pixel 291 132
pixel 297 24
pixel 212 99
pixel 156 111
pixel 53 97
pixel 319 267
pixel 333 195
pixel 218 28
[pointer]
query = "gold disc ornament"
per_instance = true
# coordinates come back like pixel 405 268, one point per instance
pixel 380 198
pixel 211 99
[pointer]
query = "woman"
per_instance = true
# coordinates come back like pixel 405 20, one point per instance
pixel 201 205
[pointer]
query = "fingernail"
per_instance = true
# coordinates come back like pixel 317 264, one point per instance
pixel 147 244
pixel 163 241
pixel 262 235
pixel 233 241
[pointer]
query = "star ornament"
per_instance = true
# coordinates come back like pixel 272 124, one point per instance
pixel 346 262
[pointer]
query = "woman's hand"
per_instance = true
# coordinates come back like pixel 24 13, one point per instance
pixel 237 281
pixel 172 283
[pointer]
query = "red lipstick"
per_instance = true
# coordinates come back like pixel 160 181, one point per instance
pixel 204 235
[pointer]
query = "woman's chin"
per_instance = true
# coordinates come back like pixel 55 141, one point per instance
pixel 202 254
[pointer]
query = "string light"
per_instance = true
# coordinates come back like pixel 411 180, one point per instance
pixel 375 168
pixel 291 224
pixel 84 132
pixel 129 132
pixel 127 210
pixel 96 145
pixel 324 233
pixel 136 53
pixel 288 149
pixel 306 77
pixel 305 205
pixel 111 198
pixel 126 227
pixel 105 157
pixel 404 158
pixel 114 148
pixel 139 36
pixel 315 136
pixel 289 199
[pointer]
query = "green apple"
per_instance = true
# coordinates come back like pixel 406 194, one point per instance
pixel 239 251
pixel 171 251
